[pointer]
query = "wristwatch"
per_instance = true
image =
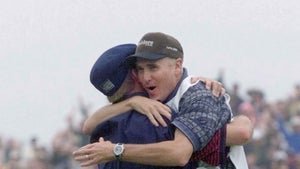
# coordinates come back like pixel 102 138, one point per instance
pixel 118 150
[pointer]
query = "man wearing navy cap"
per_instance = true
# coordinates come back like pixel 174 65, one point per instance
pixel 107 85
pixel 111 76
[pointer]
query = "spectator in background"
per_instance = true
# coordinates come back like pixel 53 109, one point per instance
pixel 12 152
pixel 235 99
pixel 257 100
pixel 294 102
pixel 36 156
pixel 68 140
pixel 248 110
pixel 76 129
pixel 63 144
pixel 292 136
pixel 1 152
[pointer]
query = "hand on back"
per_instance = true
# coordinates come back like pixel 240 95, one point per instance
pixel 153 109
pixel 215 86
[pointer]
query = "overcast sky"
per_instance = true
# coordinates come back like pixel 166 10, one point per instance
pixel 48 47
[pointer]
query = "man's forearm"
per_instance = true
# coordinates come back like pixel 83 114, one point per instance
pixel 104 114
pixel 176 152
pixel 239 131
pixel 141 104
pixel 150 154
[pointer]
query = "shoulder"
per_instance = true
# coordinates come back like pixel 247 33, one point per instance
pixel 199 95
pixel 198 91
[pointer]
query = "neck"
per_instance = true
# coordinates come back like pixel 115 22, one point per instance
pixel 136 87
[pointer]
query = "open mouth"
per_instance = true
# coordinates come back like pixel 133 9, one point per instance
pixel 151 88
pixel 152 91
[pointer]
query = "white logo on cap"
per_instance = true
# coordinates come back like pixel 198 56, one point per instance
pixel 146 43
pixel 107 85
pixel 171 48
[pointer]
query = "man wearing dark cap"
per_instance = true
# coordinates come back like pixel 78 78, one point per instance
pixel 106 86
pixel 158 61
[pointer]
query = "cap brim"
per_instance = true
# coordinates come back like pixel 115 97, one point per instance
pixel 149 56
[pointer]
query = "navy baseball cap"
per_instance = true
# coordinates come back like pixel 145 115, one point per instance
pixel 157 45
pixel 110 70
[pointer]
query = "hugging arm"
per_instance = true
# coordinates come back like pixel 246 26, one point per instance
pixel 175 152
pixel 213 85
pixel 239 131
pixel 154 110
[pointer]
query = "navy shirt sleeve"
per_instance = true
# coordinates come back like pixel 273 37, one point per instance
pixel 201 115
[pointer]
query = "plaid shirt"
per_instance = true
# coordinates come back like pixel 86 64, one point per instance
pixel 200 116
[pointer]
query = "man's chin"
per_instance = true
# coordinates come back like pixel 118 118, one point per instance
pixel 154 97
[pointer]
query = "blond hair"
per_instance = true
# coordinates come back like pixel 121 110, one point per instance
pixel 126 86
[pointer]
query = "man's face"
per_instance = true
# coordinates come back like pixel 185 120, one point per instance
pixel 159 77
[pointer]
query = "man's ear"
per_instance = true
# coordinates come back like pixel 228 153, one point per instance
pixel 178 65
pixel 179 62
pixel 134 75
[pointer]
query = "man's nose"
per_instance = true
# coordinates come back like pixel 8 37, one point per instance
pixel 147 76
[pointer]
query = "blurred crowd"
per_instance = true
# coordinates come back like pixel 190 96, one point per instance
pixel 275 143
pixel 276 137
pixel 57 155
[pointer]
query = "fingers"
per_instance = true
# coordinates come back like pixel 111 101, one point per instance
pixel 101 139
pixel 81 157
pixel 88 162
pixel 86 146
pixel 159 113
pixel 156 118
pixel 153 120
pixel 85 160
pixel 81 152
pixel 85 157
pixel 166 111
pixel 196 79
pixel 153 109
pixel 160 120
pixel 223 91
pixel 208 84
pixel 217 88
pixel 95 153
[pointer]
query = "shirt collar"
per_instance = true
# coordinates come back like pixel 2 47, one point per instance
pixel 173 93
